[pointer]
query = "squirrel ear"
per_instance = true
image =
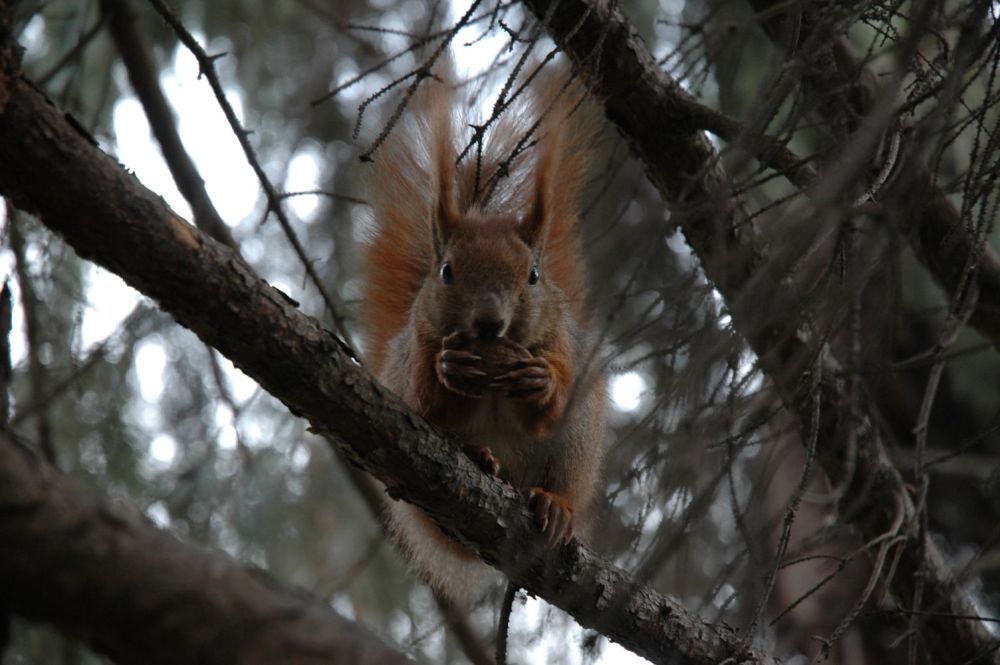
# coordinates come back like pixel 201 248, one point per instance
pixel 533 227
pixel 445 218
pixel 445 209
pixel 444 206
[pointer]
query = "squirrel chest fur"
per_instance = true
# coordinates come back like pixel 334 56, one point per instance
pixel 475 309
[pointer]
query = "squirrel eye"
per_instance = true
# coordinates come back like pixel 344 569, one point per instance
pixel 533 276
pixel 446 275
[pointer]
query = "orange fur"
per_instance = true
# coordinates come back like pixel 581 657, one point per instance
pixel 494 348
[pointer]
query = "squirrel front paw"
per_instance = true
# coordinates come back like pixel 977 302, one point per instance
pixel 526 376
pixel 459 369
pixel 553 514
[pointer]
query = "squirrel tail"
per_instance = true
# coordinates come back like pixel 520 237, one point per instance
pixel 535 157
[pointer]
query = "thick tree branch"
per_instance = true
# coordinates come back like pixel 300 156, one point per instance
pixel 140 595
pixel 648 109
pixel 107 216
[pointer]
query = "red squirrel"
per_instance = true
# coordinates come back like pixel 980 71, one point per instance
pixel 475 306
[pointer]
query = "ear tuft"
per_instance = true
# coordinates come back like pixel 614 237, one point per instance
pixel 444 207
pixel 445 218
pixel 533 228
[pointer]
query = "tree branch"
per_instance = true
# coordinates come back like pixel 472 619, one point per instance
pixel 139 595
pixel 108 217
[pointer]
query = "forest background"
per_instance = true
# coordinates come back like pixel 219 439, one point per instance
pixel 790 236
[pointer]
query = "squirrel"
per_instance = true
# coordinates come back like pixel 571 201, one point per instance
pixel 475 306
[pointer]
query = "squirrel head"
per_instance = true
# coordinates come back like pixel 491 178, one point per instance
pixel 488 270
pixel 483 244
pixel 488 280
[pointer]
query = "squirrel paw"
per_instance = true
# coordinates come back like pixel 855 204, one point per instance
pixel 484 459
pixel 459 369
pixel 553 514
pixel 528 378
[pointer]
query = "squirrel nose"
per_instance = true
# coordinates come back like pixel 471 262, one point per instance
pixel 488 326
pixel 488 320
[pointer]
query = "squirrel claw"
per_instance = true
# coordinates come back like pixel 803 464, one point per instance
pixel 459 372
pixel 531 382
pixel 460 357
pixel 484 459
pixel 553 514
pixel 530 372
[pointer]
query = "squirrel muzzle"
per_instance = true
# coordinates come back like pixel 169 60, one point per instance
pixel 488 320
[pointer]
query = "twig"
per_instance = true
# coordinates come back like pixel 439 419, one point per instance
pixel 31 306
pixel 347 198
pixel 418 75
pixel 6 311
pixel 96 354
pixel 73 53
pixel 227 397
pixel 841 565
pixel 892 538
pixel 793 503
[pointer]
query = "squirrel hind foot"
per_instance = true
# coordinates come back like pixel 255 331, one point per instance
pixel 484 459
pixel 553 514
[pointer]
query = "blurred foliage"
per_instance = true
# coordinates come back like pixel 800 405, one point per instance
pixel 687 501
